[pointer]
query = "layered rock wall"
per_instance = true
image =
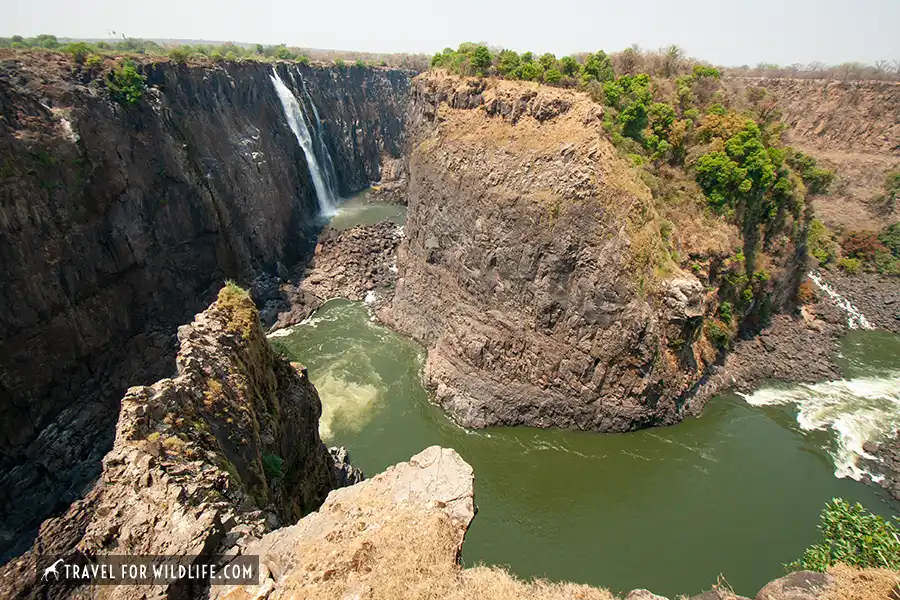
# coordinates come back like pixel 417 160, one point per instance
pixel 118 222
pixel 526 266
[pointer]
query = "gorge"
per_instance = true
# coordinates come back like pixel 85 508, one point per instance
pixel 535 268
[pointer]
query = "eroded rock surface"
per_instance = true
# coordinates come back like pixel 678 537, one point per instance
pixel 385 533
pixel 118 223
pixel 202 464
pixel 357 263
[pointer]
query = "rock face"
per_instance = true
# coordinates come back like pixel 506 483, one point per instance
pixel 202 462
pixel 389 530
pixel 117 223
pixel 525 266
pixel 353 264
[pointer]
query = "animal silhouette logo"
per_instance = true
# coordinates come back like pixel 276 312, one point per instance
pixel 51 570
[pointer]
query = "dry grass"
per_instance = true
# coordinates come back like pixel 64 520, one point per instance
pixel 863 584
pixel 241 313
pixel 378 550
pixel 214 392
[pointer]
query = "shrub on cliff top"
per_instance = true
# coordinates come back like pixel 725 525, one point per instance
pixel 125 84
pixel 239 310
pixel 79 51
pixel 853 536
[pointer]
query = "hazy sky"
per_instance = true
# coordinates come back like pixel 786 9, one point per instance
pixel 724 32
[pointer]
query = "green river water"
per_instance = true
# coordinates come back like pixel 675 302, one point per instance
pixel 735 492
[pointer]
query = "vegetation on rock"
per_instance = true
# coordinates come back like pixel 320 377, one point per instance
pixel 126 84
pixel 853 536
pixel 240 311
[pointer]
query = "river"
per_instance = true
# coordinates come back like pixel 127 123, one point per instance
pixel 736 492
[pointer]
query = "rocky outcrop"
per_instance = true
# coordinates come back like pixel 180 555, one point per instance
pixel 526 268
pixel 383 534
pixel 876 296
pixel 801 585
pixel 202 463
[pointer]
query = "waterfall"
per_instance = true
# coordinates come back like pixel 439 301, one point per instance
pixel 293 112
pixel 855 318
pixel 323 154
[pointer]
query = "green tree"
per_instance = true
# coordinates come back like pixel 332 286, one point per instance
pixel 890 237
pixel 508 64
pixel 613 93
pixel 552 76
pixel 633 120
pixel 598 66
pixel 481 59
pixel 547 61
pixel 531 71
pixel 817 179
pixel 45 41
pixel 569 66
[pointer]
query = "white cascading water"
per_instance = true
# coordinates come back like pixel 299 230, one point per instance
pixel 856 410
pixel 855 318
pixel 324 155
pixel 297 122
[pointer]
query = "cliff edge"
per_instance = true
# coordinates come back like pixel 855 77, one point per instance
pixel 203 462
pixel 535 267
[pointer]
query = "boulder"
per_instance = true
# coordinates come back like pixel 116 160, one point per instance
pixel 396 526
pixel 801 585
pixel 643 595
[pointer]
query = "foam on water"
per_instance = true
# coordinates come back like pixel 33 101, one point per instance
pixel 350 404
pixel 286 331
pixel 856 410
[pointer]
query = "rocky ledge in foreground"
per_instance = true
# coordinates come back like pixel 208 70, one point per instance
pixel 202 464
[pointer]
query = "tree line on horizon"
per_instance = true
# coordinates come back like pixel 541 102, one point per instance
pixel 480 59
pixel 228 51
pixel 629 61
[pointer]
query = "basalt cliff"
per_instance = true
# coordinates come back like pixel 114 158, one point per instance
pixel 536 267
pixel 119 222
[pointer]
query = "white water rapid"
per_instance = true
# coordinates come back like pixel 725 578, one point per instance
pixel 293 112
pixel 856 410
